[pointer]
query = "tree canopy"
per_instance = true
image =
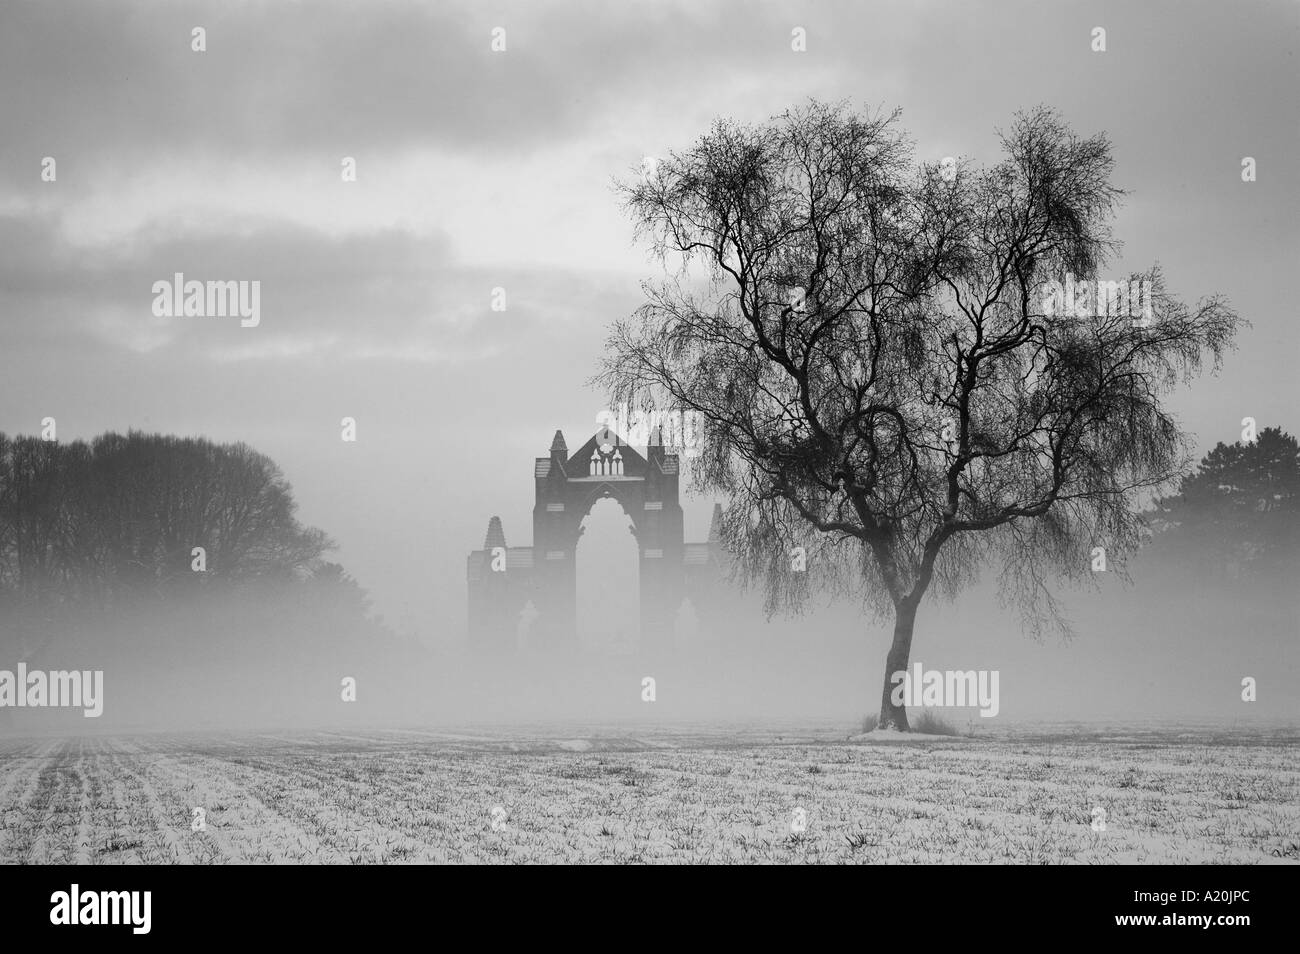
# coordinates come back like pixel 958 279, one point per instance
pixel 122 514
pixel 1238 513
pixel 97 548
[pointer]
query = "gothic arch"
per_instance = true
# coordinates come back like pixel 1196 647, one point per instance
pixel 583 505
pixel 502 579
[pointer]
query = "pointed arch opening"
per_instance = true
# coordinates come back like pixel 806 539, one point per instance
pixel 608 610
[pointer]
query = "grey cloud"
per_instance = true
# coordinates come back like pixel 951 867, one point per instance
pixel 79 78
pixel 383 294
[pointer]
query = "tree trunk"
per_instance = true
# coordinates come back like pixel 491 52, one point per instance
pixel 895 716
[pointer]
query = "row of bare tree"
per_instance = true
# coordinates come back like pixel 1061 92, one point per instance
pixel 120 516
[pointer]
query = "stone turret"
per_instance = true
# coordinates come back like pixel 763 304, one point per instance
pixel 559 450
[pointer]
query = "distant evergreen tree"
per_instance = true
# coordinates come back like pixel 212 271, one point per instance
pixel 1239 513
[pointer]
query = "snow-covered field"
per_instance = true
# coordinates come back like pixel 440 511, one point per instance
pixel 683 794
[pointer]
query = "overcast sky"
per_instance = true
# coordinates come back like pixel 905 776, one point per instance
pixel 479 169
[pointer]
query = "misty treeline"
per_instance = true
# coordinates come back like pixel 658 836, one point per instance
pixel 98 559
pixel 1236 516
pixel 119 517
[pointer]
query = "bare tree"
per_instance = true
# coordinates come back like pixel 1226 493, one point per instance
pixel 119 518
pixel 872 346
